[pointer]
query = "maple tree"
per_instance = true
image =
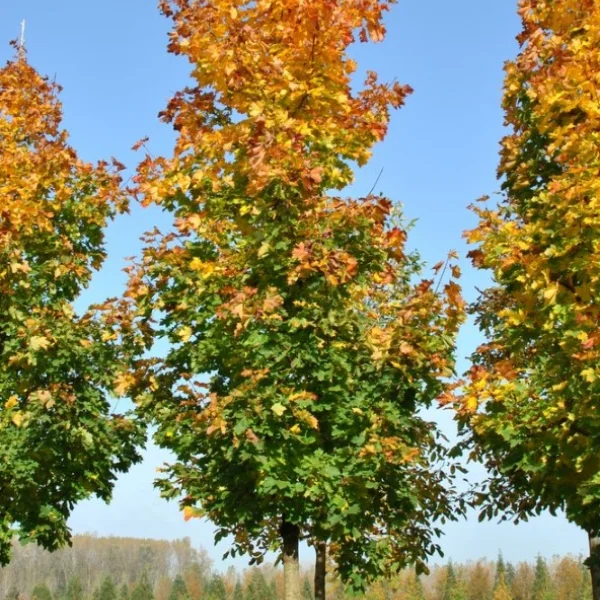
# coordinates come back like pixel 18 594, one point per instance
pixel 531 401
pixel 303 338
pixel 59 443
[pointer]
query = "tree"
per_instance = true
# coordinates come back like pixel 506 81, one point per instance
pixel 74 589
pixel 480 582
pixel 215 590
pixel 41 592
pixel 59 441
pixel 124 592
pixel 500 576
pixel 238 592
pixel 321 338
pixel 454 588
pixel 307 590
pixel 258 588
pixel 143 589
pixel 542 584
pixel 178 589
pixel 501 589
pixel 108 590
pixel 530 403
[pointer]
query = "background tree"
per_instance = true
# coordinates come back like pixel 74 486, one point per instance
pixel 124 592
pixel 322 339
pixel 542 584
pixel 178 589
pixel 238 591
pixel 531 402
pixel 108 590
pixel 143 589
pixel 215 590
pixel 74 589
pixel 59 442
pixel 307 590
pixel 41 592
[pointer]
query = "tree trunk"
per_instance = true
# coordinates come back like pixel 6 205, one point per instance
pixel 290 535
pixel 320 569
pixel 595 564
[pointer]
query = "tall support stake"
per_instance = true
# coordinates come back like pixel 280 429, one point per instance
pixel 21 49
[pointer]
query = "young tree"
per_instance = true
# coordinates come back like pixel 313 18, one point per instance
pixel 74 589
pixel 143 589
pixel 108 590
pixel 531 401
pixel 542 584
pixel 215 590
pixel 59 442
pixel 179 589
pixel 238 591
pixel 41 592
pixel 124 592
pixel 306 309
pixel 307 590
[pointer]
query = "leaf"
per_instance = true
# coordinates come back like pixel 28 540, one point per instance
pixel 278 409
pixel 39 343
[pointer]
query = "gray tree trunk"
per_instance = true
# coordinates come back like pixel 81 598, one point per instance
pixel 320 570
pixel 290 535
pixel 595 564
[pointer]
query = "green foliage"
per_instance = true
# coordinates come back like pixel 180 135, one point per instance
pixel 542 587
pixel 59 442
pixel 74 589
pixel 307 590
pixel 454 588
pixel 178 589
pixel 215 590
pixel 258 588
pixel 108 590
pixel 41 592
pixel 238 591
pixel 124 592
pixel 143 589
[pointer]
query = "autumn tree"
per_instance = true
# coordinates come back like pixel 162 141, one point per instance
pixel 531 401
pixel 302 338
pixel 59 441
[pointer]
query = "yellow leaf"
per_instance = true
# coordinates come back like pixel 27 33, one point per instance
pixel 38 342
pixel 18 418
pixel 589 375
pixel 295 429
pixel 185 333
pixel 11 402
pixel 278 409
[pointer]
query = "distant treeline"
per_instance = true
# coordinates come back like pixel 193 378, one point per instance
pixel 114 568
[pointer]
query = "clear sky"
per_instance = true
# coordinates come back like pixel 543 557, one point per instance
pixel 440 155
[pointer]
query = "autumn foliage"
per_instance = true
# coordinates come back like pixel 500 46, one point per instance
pixel 58 442
pixel 302 337
pixel 531 400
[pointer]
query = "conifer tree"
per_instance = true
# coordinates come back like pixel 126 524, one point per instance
pixel 542 586
pixel 238 591
pixel 74 589
pixel 108 590
pixel 178 589
pixel 41 592
pixel 143 589
pixel 124 592
pixel 307 590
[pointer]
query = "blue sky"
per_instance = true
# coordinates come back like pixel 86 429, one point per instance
pixel 439 156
